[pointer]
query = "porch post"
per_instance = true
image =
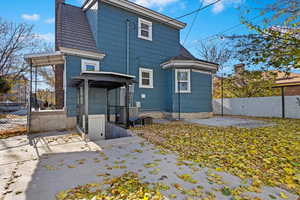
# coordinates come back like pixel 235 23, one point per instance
pixel 86 105
pixel 127 105
pixel 29 108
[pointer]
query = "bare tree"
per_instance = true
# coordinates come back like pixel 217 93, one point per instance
pixel 15 41
pixel 47 72
pixel 217 52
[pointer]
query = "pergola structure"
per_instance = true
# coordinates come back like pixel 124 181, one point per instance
pixel 82 82
pixel 106 80
pixel 35 61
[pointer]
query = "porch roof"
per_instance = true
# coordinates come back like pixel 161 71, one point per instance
pixel 45 59
pixel 109 80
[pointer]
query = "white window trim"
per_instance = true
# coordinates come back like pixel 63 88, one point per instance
pixel 150 29
pixel 150 71
pixel 91 62
pixel 188 81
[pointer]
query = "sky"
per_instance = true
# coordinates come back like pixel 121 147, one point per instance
pixel 210 21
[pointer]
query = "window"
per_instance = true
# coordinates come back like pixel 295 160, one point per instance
pixel 182 81
pixel 146 78
pixel 89 66
pixel 145 29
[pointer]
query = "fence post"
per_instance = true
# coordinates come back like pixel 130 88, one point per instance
pixel 283 102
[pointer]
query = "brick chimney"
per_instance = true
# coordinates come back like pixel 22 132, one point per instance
pixel 59 69
pixel 239 68
pixel 59 2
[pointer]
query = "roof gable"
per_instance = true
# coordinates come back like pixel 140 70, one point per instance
pixel 133 7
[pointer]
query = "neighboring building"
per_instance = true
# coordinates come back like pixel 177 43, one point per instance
pixel 290 81
pixel 108 44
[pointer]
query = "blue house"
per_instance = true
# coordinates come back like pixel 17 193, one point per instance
pixel 122 60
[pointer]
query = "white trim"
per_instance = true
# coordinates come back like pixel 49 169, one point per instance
pixel 147 70
pixel 143 21
pixel 109 73
pixel 87 54
pixel 192 64
pixel 127 5
pixel 37 55
pixel 89 4
pixel 41 60
pixel 187 81
pixel 201 71
pixel 85 62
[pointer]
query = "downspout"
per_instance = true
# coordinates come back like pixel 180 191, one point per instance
pixel 127 45
pixel 179 93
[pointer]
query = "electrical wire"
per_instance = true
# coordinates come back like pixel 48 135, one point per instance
pixel 193 22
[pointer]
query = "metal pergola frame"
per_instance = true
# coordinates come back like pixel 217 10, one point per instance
pixel 35 61
pixel 106 80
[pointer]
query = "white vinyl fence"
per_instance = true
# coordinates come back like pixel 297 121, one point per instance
pixel 259 106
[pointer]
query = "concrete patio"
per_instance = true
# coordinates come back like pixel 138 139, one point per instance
pixel 62 162
pixel 231 121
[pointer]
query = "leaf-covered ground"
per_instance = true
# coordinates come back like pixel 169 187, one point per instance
pixel 127 186
pixel 269 155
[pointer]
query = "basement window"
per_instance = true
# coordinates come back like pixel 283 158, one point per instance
pixel 145 29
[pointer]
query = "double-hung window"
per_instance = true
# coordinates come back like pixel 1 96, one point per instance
pixel 146 78
pixel 145 29
pixel 182 81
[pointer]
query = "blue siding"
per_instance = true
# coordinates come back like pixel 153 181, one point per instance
pixel 108 25
pixel 97 96
pixel 112 31
pixel 200 98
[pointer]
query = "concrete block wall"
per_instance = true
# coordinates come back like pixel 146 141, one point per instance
pixel 259 106
pixel 51 121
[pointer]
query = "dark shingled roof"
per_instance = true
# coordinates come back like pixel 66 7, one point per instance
pixel 73 30
pixel 186 55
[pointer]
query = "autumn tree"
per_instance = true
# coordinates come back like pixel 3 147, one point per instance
pixel 250 84
pixel 276 41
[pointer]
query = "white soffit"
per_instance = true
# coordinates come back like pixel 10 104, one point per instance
pixel 190 64
pixel 45 59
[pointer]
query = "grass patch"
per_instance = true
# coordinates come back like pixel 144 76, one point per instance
pixel 268 155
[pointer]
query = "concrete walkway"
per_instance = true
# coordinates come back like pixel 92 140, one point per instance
pixel 64 161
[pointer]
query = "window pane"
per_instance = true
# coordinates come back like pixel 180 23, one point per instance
pixel 145 26
pixel 183 86
pixel 145 75
pixel 182 76
pixel 145 33
pixel 90 68
pixel 145 81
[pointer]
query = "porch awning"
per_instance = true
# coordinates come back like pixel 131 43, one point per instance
pixel 109 80
pixel 45 59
